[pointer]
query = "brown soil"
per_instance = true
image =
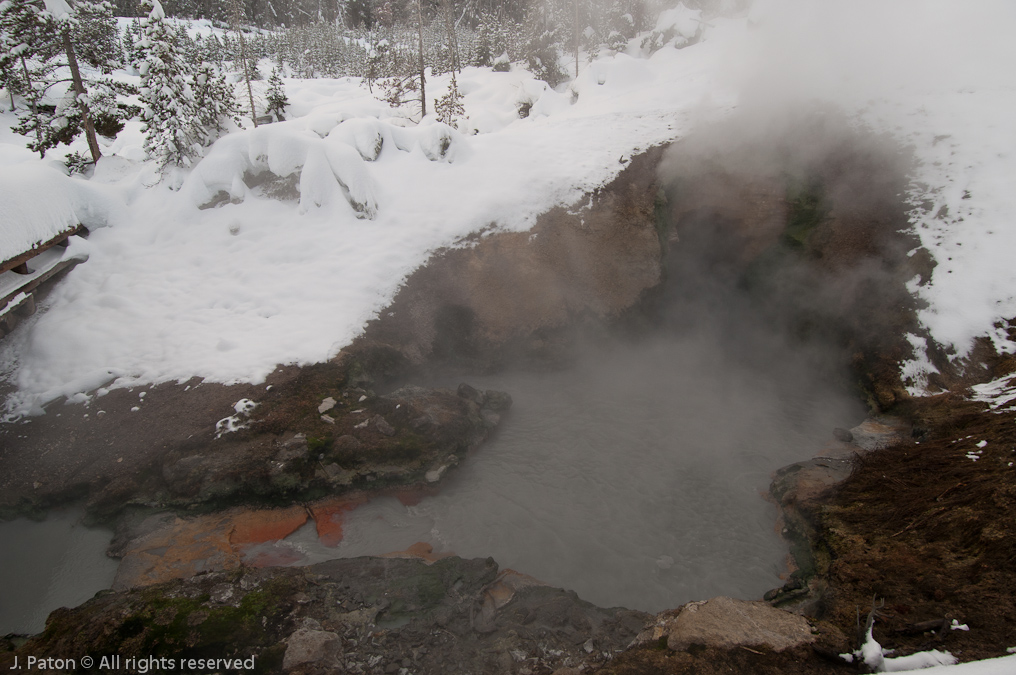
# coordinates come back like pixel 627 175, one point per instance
pixel 931 533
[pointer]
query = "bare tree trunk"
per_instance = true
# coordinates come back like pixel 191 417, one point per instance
pixel 246 77
pixel 31 104
pixel 79 89
pixel 423 76
pixel 449 20
pixel 243 60
pixel 10 89
pixel 576 2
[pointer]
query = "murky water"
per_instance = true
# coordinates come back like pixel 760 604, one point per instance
pixel 49 564
pixel 635 478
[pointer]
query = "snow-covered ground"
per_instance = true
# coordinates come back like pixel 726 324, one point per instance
pixel 171 291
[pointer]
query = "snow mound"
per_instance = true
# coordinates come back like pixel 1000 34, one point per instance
pixel 330 162
pixel 38 203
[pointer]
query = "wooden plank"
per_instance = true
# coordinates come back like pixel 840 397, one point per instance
pixel 34 283
pixel 22 259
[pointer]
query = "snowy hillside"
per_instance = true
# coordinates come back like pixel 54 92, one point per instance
pixel 173 291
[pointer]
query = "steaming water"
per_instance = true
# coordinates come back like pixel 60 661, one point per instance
pixel 634 478
pixel 49 564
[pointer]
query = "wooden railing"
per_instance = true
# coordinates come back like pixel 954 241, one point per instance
pixel 22 274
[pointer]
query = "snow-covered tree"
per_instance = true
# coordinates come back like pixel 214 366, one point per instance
pixel 275 97
pixel 95 35
pixel 173 132
pixel 47 45
pixel 186 107
pixel 484 55
pixel 25 37
pixel 216 103
pixel 131 39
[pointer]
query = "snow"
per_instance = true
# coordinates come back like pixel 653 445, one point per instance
pixel 999 394
pixel 874 657
pixel 59 9
pixel 173 291
pixel 1004 665
pixel 39 202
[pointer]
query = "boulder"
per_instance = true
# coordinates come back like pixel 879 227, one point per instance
pixel 726 623
pixel 307 645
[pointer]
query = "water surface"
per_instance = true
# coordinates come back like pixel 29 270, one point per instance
pixel 634 478
pixel 45 565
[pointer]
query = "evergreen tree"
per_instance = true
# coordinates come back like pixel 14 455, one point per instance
pixel 216 103
pixel 27 64
pixel 449 107
pixel 275 97
pixel 484 55
pixel 95 35
pixel 131 39
pixel 44 37
pixel 173 133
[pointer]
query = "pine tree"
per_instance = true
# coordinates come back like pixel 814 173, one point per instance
pixel 95 35
pixel 484 55
pixel 216 103
pixel 42 37
pixel 26 37
pixel 449 107
pixel 131 39
pixel 173 131
pixel 276 97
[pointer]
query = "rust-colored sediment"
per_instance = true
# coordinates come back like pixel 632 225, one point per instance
pixel 330 515
pixel 257 527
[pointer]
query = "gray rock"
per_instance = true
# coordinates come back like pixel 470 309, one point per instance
pixel 307 645
pixel 383 426
pixel 498 401
pixel 347 443
pixel 471 394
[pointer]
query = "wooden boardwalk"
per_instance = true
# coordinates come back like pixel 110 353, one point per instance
pixel 22 274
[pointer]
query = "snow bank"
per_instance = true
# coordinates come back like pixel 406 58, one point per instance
pixel 1005 665
pixel 38 203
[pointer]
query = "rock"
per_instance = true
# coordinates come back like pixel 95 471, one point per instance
pixel 499 401
pixel 307 645
pixel 294 448
pixel 879 432
pixel 726 622
pixel 421 550
pixel 843 435
pixel 383 426
pixel 470 394
pixel 326 405
pixel 352 615
pixel 348 443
